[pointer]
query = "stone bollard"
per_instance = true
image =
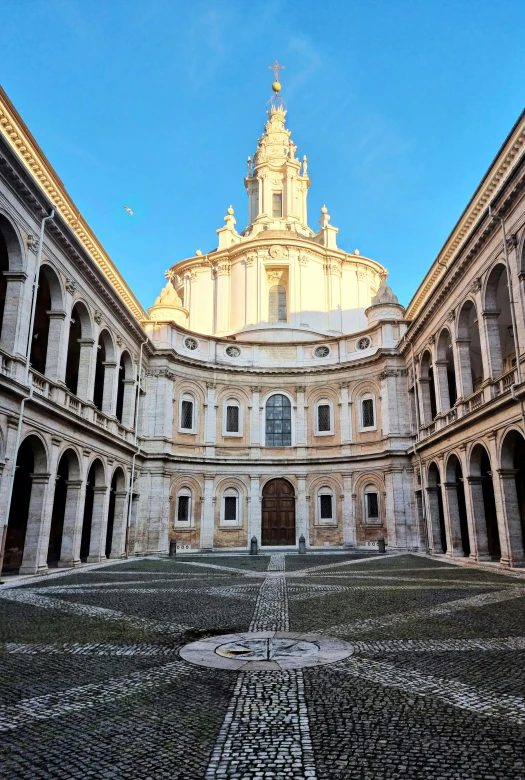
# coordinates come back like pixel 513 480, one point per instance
pixel 253 546
pixel 381 545
pixel 302 545
pixel 173 548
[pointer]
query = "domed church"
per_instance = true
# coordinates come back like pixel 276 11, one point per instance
pixel 275 391
pixel 290 416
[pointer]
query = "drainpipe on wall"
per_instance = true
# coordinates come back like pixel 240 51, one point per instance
pixel 137 450
pixel 26 384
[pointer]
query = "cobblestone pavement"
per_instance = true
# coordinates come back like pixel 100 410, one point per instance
pixel 92 685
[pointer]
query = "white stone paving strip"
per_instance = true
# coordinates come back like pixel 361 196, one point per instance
pixel 338 565
pixel 233 592
pixel 266 731
pixel 96 648
pixel 85 610
pixel 53 705
pixel 451 692
pixel 225 569
pixel 497 645
pixel 360 626
pixel 316 591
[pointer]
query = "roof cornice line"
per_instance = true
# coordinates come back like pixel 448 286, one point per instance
pixel 21 140
pixel 490 185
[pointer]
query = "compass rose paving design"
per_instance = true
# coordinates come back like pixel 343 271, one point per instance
pixel 282 666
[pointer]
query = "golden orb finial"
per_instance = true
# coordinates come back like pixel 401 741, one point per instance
pixel 276 86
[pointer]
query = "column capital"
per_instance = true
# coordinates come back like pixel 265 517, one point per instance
pixel 15 276
pixel 100 488
pixel 40 479
pixel 74 484
pixel 56 315
pixel 474 480
pixel 507 473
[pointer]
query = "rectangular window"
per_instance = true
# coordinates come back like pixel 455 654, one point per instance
pixel 372 506
pixel 326 507
pixel 277 205
pixel 232 419
pixel 186 414
pixel 368 413
pixel 183 510
pixel 323 418
pixel 230 508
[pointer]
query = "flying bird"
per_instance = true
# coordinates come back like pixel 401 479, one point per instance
pixel 129 210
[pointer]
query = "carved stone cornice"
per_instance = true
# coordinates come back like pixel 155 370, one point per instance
pixel 19 137
pixel 493 182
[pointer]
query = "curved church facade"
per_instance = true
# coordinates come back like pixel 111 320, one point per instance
pixel 276 389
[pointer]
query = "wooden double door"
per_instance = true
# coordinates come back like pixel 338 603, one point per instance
pixel 278 513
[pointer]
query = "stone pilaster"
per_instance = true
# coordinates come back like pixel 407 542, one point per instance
pixel 210 420
pixel 208 512
pixel 99 522
pixel 13 337
pixel 301 422
pixel 301 510
pixel 452 520
pixel 349 522
pixel 255 423
pixel 436 546
pixel 119 524
pixel 72 531
pixel 510 532
pixel 36 541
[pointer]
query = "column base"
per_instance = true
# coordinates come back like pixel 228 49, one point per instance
pixel 33 569
pixel 96 558
pixel 484 557
pixel 64 564
pixel 117 556
pixel 509 563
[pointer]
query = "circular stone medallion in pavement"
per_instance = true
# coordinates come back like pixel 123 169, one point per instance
pixel 260 650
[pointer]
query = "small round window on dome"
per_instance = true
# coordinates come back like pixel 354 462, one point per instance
pixel 190 343
pixel 233 352
pixel 322 352
pixel 363 343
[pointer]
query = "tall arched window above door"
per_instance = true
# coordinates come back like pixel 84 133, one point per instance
pixel 277 303
pixel 278 421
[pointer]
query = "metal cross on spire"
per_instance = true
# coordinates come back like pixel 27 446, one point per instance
pixel 276 68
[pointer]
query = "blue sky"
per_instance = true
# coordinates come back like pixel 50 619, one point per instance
pixel 399 106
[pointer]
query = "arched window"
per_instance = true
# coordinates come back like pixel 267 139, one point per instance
pixel 232 418
pixel 184 509
pixel 104 373
pixel 324 418
pixel 325 506
pixel 367 413
pixel 277 303
pixel 230 508
pixel 371 497
pixel 40 335
pixel 187 421
pixel 278 421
